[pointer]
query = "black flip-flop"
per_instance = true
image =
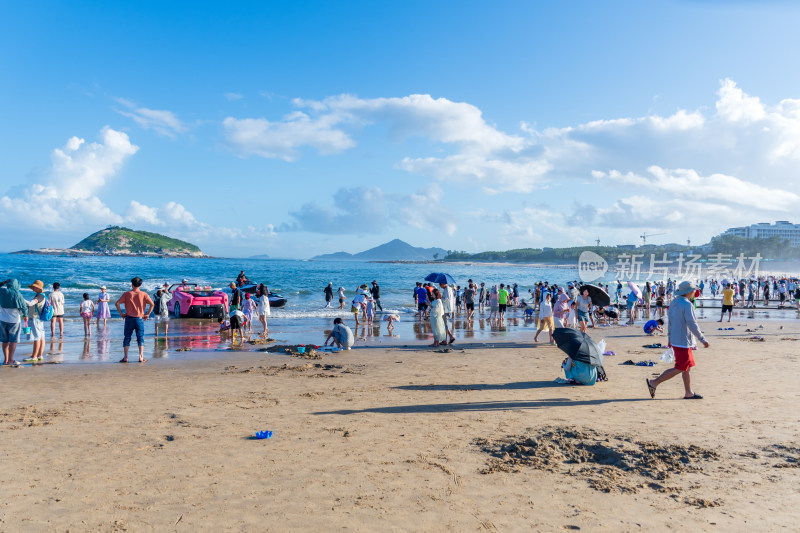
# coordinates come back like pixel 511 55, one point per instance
pixel 650 388
pixel 693 397
pixel 123 360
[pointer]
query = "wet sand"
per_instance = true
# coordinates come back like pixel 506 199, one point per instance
pixel 406 438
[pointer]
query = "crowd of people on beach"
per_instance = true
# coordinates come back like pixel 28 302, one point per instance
pixel 545 303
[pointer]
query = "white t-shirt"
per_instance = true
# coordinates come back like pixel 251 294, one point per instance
pixel 545 310
pixel 86 306
pixel 57 302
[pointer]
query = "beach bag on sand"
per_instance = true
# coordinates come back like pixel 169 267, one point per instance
pixel 47 311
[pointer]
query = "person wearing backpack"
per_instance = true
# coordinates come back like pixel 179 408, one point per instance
pixel 35 307
pixel 12 309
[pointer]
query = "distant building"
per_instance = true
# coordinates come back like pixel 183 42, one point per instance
pixel 782 228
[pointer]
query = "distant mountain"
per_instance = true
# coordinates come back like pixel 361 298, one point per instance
pixel 395 250
pixel 337 256
pixel 260 256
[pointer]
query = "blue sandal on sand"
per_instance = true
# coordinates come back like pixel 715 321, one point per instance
pixel 693 397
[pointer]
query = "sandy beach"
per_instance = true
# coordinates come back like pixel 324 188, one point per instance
pixel 405 438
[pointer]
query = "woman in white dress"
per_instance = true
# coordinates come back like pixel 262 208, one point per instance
pixel 437 320
pixel 263 306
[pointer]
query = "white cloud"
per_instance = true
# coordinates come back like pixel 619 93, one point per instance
pixel 282 140
pixel 68 196
pixel 736 106
pixel 370 210
pixel 232 97
pixel 324 126
pixel 68 200
pixel 717 188
pixel 162 122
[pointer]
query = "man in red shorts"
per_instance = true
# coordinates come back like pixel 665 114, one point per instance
pixel 682 329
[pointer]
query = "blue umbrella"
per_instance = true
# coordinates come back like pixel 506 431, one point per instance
pixel 440 277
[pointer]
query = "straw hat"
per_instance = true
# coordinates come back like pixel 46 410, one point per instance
pixel 37 285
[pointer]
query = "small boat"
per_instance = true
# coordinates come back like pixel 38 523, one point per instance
pixel 275 300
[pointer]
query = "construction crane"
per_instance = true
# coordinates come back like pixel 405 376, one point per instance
pixel 645 235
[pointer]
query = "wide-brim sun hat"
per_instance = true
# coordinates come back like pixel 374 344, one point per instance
pixel 103 287
pixel 37 285
pixel 685 287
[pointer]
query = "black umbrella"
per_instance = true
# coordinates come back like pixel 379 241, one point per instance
pixel 578 345
pixel 599 296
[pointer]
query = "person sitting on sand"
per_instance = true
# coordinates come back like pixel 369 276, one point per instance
pixel 579 372
pixel 681 332
pixel 653 326
pixel 341 335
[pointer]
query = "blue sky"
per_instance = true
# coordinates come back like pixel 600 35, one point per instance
pixel 294 129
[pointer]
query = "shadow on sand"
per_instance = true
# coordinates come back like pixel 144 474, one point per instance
pixel 479 406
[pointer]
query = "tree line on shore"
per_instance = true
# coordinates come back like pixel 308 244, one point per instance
pixel 769 248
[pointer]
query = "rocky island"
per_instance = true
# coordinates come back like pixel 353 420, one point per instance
pixel 125 242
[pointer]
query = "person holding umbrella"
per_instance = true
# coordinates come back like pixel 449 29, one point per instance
pixel 584 362
pixel 682 329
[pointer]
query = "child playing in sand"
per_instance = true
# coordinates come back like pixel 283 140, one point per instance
pixel 391 319
pixel 653 326
pixel 341 335
pixel 87 310
pixel 237 322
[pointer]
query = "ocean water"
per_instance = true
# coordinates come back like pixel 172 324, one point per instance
pixel 303 320
pixel 301 282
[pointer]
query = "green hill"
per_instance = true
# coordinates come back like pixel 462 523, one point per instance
pixel 117 240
